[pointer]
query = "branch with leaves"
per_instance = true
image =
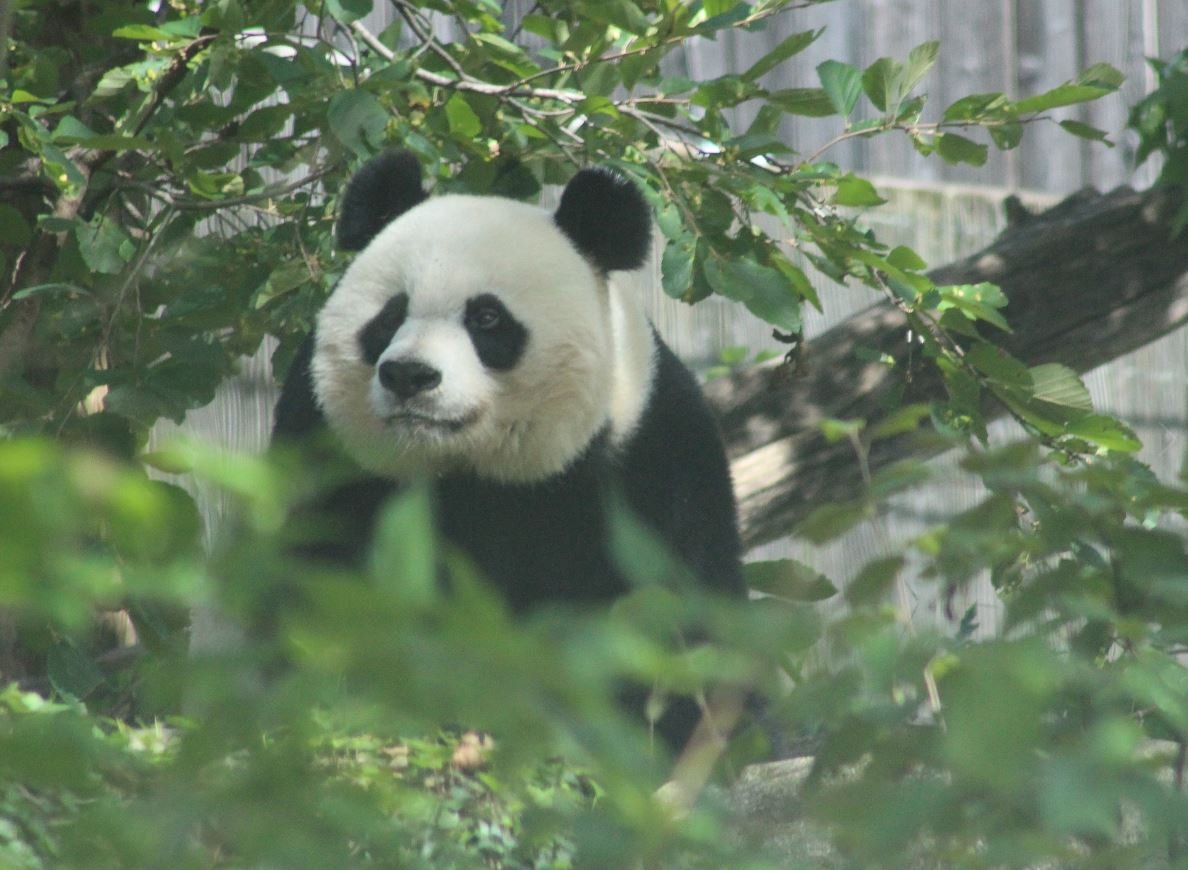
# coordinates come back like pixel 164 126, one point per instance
pixel 213 105
pixel 1088 281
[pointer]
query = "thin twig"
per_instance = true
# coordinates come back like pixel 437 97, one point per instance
pixel 191 204
pixel 413 18
pixel 911 130
pixel 467 83
pixel 669 41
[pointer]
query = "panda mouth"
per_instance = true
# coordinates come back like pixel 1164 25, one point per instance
pixel 409 419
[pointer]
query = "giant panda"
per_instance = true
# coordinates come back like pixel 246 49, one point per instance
pixel 485 344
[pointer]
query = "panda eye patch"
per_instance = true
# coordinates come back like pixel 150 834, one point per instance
pixel 498 338
pixel 485 317
pixel 377 333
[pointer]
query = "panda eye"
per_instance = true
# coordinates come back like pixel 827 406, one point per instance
pixel 485 318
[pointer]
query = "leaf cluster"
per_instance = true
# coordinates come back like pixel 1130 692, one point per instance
pixel 1161 120
pixel 174 174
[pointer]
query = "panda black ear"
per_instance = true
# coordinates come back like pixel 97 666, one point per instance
pixel 608 219
pixel 386 187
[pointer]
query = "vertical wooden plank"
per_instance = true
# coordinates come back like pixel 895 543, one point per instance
pixel 1172 23
pixel 1111 32
pixel 1048 55
pixel 973 61
pixel 806 135
pixel 892 28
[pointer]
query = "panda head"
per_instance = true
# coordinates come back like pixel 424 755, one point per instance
pixel 480 334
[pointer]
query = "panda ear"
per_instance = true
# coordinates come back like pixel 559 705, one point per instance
pixel 386 187
pixel 606 216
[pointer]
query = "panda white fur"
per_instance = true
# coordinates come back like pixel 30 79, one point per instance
pixel 481 342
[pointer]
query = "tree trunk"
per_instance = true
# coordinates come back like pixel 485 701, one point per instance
pixel 1091 279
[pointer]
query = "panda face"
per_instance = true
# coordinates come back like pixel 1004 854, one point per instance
pixel 469 335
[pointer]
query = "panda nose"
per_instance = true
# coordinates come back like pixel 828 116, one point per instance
pixel 405 379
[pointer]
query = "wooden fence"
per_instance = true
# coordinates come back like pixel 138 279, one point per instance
pixel 943 212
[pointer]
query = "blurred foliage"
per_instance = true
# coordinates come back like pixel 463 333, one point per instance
pixel 1161 120
pixel 170 179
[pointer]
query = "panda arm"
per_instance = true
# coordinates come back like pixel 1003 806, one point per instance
pixel 679 478
pixel 297 411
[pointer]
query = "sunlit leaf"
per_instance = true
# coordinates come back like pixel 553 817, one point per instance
pixel 1105 432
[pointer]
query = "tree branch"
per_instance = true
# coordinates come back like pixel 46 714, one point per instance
pixel 467 83
pixel 1092 279
pixel 37 260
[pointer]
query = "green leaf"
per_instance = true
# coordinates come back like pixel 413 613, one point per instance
pixel 346 11
pixel 285 278
pixel 676 267
pixel 464 123
pixel 799 281
pixel 1105 432
pixel 836 430
pixel 888 83
pixel 358 120
pixel 112 82
pixel 216 185
pixel 831 521
pixel 103 141
pixel 1084 131
pixel 903 419
pixel 50 288
pixel 103 245
pixel 725 91
pixel 898 477
pixel 842 84
pixel 1064 95
pixel 142 32
pixel 790 579
pixel 1006 136
pixel 957 149
pixel 1059 385
pixel 787 48
pixel 1102 75
pixel 1154 560
pixel 920 60
pixel 71 670
pixel 976 301
pixel 810 102
pixel 858 192
pixel 1093 83
pixel 989 740
pixel 976 107
pixel 875 582
pixel 731 14
pixel 903 257
pixel 999 367
pixel 764 290
pixel 403 558
pixel 882 81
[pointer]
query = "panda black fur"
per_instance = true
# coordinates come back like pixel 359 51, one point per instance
pixel 481 342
